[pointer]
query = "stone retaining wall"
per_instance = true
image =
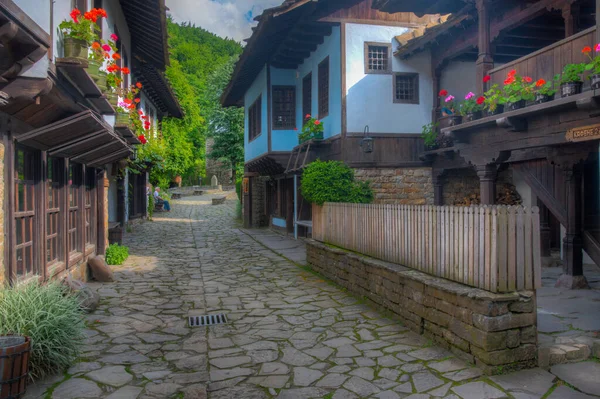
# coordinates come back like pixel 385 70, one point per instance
pixel 410 186
pixel 497 332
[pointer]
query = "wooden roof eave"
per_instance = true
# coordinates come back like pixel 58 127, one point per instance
pixel 420 7
pixel 433 34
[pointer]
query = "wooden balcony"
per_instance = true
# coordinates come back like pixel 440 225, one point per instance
pixel 549 61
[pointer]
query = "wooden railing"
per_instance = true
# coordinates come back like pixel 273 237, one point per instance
pixel 549 61
pixel 495 248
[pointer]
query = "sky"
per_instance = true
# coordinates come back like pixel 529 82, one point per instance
pixel 225 18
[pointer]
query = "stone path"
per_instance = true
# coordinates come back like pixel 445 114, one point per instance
pixel 290 333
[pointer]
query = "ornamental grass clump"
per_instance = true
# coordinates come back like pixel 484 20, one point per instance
pixel 51 316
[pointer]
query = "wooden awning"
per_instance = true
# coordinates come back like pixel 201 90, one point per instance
pixel 84 137
pixel 127 134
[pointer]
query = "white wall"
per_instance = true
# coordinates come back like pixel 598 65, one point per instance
pixel 459 78
pixel 38 11
pixel 370 97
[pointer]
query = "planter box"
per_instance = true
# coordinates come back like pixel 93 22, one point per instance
pixel 14 366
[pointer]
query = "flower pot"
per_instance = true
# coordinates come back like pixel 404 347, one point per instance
pixel 543 98
pixel 101 82
pixel 122 119
pixel 449 121
pixel 76 48
pixel 499 109
pixel 516 105
pixel 113 99
pixel 472 116
pixel 595 79
pixel 93 70
pixel 14 366
pixel 570 89
pixel 431 147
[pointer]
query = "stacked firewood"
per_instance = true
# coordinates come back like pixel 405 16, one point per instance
pixel 473 199
pixel 508 195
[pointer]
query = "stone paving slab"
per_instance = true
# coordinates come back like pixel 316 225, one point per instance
pixel 290 334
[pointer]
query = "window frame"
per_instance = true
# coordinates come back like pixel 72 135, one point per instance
pixel 58 188
pixel 255 119
pixel 388 69
pixel 306 95
pixel 275 124
pixel 323 88
pixel 415 77
pixel 90 209
pixel 75 249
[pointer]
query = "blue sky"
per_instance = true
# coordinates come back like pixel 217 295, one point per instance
pixel 226 18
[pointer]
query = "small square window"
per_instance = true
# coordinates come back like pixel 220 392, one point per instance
pixel 406 88
pixel 378 58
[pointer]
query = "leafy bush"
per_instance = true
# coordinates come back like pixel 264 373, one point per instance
pixel 238 189
pixel 116 254
pixel 333 181
pixel 51 317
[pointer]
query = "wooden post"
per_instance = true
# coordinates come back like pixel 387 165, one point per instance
pixel 573 277
pixel 438 187
pixel 544 229
pixel 436 79
pixel 487 183
pixel 121 200
pixel 485 61
pixel 597 21
pixel 247 196
pixel 570 13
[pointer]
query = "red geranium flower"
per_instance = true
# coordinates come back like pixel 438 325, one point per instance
pixel 125 71
pixel 487 78
pixel 138 85
pixel 509 80
pixel 140 112
pixel 307 116
pixel 112 68
pixel 586 50
pixel 114 37
pixel 96 46
pixel 527 79
pixel 317 123
pixel 512 73
pixel 116 56
pixel 90 16
pixel 127 101
pixel 443 93
pixel 137 100
pixel 481 100
pixel 540 83
pixel 75 14
pixel 295 128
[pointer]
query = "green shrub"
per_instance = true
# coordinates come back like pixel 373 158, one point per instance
pixel 51 317
pixel 238 189
pixel 116 254
pixel 333 181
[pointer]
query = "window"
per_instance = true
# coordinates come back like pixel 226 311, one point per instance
pixel 74 236
pixel 90 206
pixel 54 171
pixel 98 4
pixel 406 88
pixel 254 119
pixel 284 107
pixel 307 95
pixel 81 5
pixel 24 258
pixel 324 88
pixel 377 58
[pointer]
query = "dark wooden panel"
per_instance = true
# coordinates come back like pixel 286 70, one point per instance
pixel 388 151
pixel 364 11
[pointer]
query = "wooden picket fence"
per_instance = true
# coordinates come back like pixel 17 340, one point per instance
pixel 495 248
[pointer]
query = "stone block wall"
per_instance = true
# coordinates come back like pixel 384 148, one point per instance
pixel 460 183
pixel 497 332
pixel 411 186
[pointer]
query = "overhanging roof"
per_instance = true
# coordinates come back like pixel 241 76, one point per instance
pixel 147 22
pixel 420 7
pixel 84 137
pixel 158 89
pixel 274 27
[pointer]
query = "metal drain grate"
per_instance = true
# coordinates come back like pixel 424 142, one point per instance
pixel 208 320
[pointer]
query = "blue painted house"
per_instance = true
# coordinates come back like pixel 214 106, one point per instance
pixel 334 62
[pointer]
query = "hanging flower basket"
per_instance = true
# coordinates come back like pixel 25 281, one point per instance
pixel 14 366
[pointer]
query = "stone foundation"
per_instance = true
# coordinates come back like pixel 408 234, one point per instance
pixel 497 332
pixel 411 186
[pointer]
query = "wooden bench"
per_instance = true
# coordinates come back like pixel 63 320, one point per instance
pixel 159 207
pixel 198 192
pixel 218 200
pixel 176 196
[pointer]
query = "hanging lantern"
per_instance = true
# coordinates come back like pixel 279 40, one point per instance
pixel 367 142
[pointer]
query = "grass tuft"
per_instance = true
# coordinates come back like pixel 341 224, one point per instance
pixel 51 316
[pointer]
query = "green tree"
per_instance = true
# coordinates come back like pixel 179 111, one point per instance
pixel 225 125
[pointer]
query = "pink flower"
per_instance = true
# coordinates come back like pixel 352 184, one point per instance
pixel 295 128
pixel 114 37
pixel 106 47
pixel 470 95
pixel 449 98
pixel 317 123
pixel 597 48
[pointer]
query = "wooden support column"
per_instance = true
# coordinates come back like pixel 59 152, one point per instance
pixel 247 199
pixel 544 229
pixel 121 200
pixel 487 183
pixel 485 61
pixel 438 187
pixel 570 13
pixel 573 277
pixel 436 76
pixel 597 21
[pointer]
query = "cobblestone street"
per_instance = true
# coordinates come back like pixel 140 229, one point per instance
pixel 290 333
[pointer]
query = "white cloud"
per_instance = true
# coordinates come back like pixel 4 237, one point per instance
pixel 225 18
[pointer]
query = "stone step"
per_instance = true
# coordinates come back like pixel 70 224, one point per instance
pixel 568 350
